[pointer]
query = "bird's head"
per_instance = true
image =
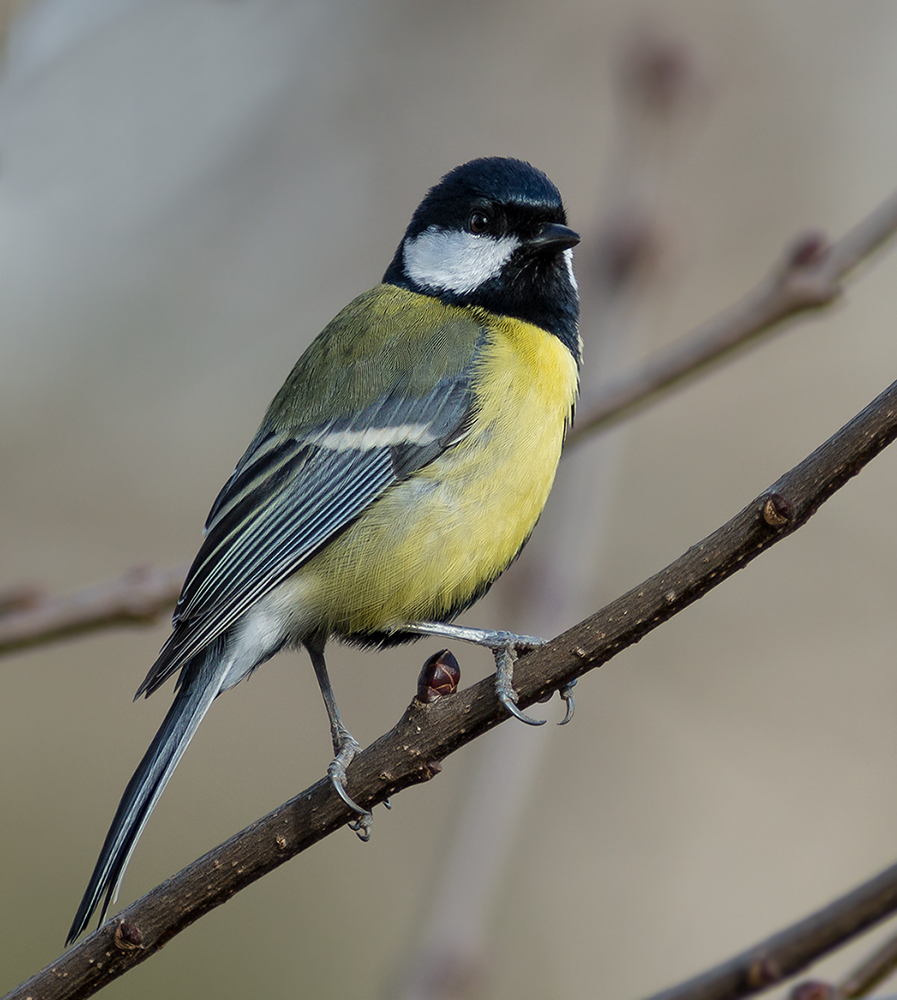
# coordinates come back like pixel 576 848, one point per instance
pixel 493 233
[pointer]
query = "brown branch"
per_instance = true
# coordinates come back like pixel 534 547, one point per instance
pixel 791 950
pixel 807 279
pixel 411 752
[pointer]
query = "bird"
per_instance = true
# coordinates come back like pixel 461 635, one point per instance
pixel 397 473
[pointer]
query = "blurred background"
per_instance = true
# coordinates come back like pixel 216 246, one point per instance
pixel 188 192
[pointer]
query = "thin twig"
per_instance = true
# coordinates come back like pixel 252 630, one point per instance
pixel 873 970
pixel 793 949
pixel 428 733
pixel 860 981
pixel 140 597
pixel 809 277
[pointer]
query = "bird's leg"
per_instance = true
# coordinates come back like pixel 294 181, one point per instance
pixel 345 746
pixel 505 646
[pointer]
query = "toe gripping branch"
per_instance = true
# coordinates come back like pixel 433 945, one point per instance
pixel 345 746
pixel 506 649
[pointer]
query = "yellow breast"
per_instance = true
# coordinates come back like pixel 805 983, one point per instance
pixel 434 542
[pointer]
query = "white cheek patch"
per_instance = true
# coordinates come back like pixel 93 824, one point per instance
pixel 568 260
pixel 451 260
pixel 374 437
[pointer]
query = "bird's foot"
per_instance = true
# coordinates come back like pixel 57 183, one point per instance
pixel 345 747
pixel 506 649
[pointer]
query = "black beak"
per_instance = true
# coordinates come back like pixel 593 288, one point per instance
pixel 554 237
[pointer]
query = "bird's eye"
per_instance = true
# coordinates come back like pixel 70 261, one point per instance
pixel 479 222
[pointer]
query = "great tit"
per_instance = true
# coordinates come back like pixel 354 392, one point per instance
pixel 395 476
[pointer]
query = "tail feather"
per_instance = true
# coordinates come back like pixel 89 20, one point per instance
pixel 199 688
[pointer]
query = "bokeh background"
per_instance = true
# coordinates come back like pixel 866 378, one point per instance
pixel 188 191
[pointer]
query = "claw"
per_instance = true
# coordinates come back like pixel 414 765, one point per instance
pixel 337 777
pixel 515 711
pixel 504 683
pixel 566 692
pixel 362 827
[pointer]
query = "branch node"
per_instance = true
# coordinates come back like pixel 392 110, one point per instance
pixel 127 936
pixel 807 250
pixel 805 282
pixel 777 510
pixel 763 971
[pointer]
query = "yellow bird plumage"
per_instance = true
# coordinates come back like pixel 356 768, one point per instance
pixel 449 530
pixel 395 476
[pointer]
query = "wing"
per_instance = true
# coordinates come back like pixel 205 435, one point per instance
pixel 294 492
